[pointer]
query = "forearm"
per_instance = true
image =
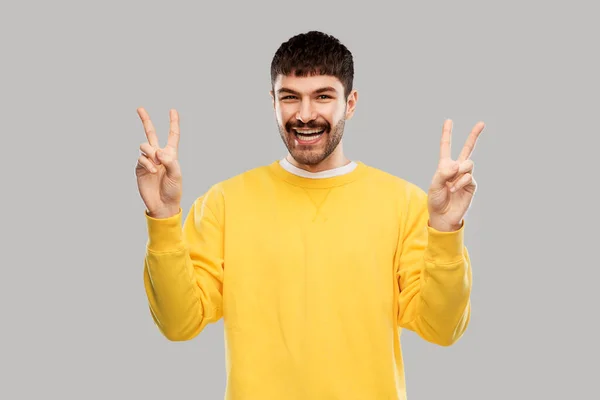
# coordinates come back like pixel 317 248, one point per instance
pixel 436 302
pixel 178 304
pixel 174 299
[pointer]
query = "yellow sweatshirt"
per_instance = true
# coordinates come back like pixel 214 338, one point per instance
pixel 314 279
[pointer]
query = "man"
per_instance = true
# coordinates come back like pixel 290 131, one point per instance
pixel 315 262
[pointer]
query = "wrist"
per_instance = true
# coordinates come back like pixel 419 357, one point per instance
pixel 167 212
pixel 443 226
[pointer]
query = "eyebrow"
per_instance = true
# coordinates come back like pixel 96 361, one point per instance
pixel 320 90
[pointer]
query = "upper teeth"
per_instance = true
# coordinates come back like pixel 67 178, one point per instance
pixel 308 132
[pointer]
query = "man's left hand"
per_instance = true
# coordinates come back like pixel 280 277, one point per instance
pixel 453 186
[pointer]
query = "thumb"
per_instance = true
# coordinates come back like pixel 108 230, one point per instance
pixel 162 157
pixel 168 160
pixel 445 174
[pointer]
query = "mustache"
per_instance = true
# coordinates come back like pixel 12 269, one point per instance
pixel 311 125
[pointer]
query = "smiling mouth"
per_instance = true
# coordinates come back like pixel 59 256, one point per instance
pixel 308 135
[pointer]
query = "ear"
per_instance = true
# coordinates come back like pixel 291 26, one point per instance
pixel 351 103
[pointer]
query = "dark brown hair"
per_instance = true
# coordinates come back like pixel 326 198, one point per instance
pixel 314 53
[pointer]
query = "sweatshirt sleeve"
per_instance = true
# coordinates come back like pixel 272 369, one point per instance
pixel 183 268
pixel 433 271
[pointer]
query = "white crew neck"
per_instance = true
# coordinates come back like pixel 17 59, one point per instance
pixel 285 164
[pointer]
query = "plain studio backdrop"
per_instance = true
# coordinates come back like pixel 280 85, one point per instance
pixel 74 317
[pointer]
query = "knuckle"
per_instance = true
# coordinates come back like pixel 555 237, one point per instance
pixel 466 178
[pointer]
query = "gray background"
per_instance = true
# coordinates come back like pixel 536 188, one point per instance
pixel 74 319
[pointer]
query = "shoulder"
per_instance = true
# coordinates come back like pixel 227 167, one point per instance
pixel 238 182
pixel 245 178
pixel 409 199
pixel 401 186
pixel 214 197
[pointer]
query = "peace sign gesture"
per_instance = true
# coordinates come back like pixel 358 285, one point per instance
pixel 453 186
pixel 158 171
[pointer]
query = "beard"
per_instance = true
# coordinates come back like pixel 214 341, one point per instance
pixel 312 154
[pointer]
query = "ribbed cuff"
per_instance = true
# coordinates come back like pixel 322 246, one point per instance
pixel 445 247
pixel 164 234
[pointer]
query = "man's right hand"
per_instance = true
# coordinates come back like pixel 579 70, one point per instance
pixel 157 170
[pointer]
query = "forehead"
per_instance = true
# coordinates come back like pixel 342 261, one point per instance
pixel 308 84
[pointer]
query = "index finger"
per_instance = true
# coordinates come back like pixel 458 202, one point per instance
pixel 471 140
pixel 148 127
pixel 445 145
pixel 173 140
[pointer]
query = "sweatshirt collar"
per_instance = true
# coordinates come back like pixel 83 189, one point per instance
pixel 326 179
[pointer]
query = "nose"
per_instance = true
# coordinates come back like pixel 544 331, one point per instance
pixel 306 114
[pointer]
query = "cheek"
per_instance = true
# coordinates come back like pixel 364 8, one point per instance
pixel 333 113
pixel 283 115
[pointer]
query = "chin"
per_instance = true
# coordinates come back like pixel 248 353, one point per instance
pixel 308 157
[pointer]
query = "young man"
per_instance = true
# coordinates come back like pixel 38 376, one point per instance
pixel 314 261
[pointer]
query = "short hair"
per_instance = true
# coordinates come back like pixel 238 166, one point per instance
pixel 313 53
